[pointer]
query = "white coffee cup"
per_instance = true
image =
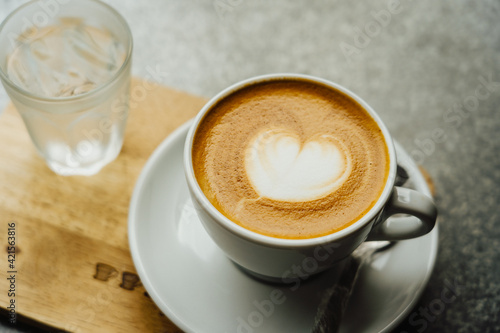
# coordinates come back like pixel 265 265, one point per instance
pixel 277 259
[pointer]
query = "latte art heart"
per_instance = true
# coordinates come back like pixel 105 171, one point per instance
pixel 281 167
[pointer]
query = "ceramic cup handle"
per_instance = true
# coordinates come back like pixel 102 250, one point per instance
pixel 405 201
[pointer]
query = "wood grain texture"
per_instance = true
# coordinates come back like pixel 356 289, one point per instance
pixel 67 225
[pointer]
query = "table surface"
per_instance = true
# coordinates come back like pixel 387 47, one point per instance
pixel 430 69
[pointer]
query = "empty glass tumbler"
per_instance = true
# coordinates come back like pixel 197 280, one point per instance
pixel 65 64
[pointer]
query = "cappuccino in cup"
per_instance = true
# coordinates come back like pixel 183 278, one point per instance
pixel 290 158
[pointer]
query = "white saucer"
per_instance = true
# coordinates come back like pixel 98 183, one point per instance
pixel 200 290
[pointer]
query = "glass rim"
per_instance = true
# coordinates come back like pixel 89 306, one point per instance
pixel 5 78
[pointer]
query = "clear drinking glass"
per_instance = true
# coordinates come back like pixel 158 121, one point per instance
pixel 76 133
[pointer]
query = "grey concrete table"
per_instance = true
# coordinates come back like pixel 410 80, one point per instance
pixel 428 66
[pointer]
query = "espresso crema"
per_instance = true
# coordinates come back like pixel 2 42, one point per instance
pixel 290 158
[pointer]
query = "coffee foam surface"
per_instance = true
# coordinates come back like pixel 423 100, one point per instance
pixel 290 159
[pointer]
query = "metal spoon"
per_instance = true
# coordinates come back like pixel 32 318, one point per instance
pixel 334 301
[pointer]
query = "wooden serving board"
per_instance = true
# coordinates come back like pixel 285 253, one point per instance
pixel 74 268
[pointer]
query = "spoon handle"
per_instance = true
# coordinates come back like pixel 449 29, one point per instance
pixel 334 301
